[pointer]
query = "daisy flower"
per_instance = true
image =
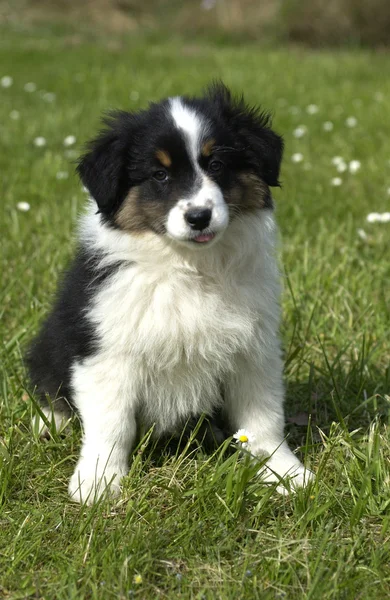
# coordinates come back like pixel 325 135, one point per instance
pixel 312 109
pixel 327 126
pixel 341 167
pixel 208 4
pixel 30 87
pixel 354 166
pixel 39 141
pixel 48 96
pixel 374 217
pixel 385 217
pixel 300 131
pixel 243 436
pixel 6 81
pixel 351 122
pixel 336 181
pixel 297 157
pixel 336 160
pixel 137 579
pixel 23 206
pixel 69 140
pixel 14 115
pixel 62 175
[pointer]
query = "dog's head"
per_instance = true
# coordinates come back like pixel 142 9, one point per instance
pixel 183 168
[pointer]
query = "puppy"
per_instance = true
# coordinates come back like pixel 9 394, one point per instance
pixel 170 308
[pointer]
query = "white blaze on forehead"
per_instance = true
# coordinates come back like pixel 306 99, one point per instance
pixel 191 123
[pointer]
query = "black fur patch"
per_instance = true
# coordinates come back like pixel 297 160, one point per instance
pixel 66 336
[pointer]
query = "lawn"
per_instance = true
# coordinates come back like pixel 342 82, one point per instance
pixel 191 525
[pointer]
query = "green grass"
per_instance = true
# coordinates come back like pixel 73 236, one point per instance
pixel 197 526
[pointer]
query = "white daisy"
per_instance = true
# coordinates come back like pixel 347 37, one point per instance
pixel 62 175
pixel 336 160
pixel 70 140
pixel 30 87
pixel 6 81
pixel 312 109
pixel 300 131
pixel 336 181
pixel 374 217
pixel 385 217
pixel 351 122
pixel 297 157
pixel 208 4
pixel 327 126
pixel 354 166
pixel 39 141
pixel 244 437
pixel 341 167
pixel 48 97
pixel 14 115
pixel 23 206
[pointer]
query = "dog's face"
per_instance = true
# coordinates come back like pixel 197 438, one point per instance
pixel 184 168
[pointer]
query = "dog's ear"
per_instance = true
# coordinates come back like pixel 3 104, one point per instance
pixel 103 168
pixel 252 128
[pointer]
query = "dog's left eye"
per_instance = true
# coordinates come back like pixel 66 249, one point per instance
pixel 215 166
pixel 160 175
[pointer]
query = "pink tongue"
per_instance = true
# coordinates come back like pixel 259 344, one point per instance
pixel 204 237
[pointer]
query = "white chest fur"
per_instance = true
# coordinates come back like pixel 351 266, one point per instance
pixel 171 326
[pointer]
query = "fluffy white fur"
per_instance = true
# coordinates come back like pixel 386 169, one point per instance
pixel 172 325
pixel 192 124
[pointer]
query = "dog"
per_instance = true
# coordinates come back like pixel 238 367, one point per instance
pixel 170 308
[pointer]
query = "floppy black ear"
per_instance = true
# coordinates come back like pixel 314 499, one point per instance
pixel 252 127
pixel 103 168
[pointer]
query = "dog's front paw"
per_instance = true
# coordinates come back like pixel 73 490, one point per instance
pixel 293 476
pixel 88 483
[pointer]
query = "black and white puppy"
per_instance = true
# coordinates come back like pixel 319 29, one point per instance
pixel 171 306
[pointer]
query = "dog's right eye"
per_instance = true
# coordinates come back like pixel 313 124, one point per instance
pixel 160 175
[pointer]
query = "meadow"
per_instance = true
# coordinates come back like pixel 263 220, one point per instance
pixel 189 524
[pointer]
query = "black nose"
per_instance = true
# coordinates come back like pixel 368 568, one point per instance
pixel 198 218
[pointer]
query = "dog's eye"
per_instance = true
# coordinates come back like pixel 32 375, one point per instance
pixel 215 166
pixel 160 175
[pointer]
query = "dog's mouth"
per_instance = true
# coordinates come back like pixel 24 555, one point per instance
pixel 203 238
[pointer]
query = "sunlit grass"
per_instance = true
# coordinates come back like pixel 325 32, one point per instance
pixel 190 525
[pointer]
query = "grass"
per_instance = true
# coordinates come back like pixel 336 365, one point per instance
pixel 193 525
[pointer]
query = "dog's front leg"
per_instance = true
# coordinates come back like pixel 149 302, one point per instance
pixel 106 404
pixel 254 403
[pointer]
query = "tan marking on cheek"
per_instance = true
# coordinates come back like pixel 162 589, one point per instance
pixel 128 217
pixel 140 219
pixel 164 158
pixel 207 147
pixel 251 194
